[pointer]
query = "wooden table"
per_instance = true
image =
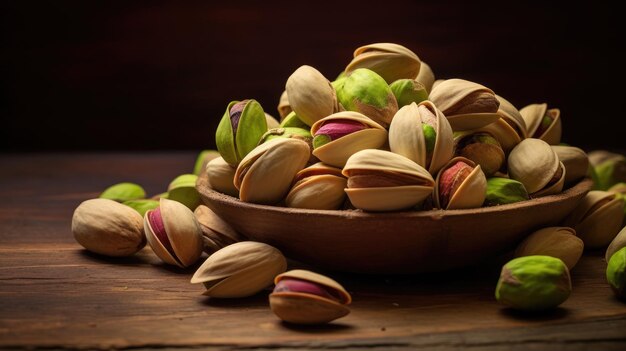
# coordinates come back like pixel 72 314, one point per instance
pixel 54 294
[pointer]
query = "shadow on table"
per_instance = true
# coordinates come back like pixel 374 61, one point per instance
pixel 536 316
pixel 314 329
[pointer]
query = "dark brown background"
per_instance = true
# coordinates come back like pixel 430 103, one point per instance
pixel 90 75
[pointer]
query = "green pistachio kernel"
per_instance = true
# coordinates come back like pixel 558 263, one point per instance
pixel 407 91
pixel 240 129
pixel 287 132
pixel 321 140
pixel 534 283
pixel 610 172
pixel 616 273
pixel 293 121
pixel 502 191
pixel 123 191
pixel 430 136
pixel 183 190
pixel 142 205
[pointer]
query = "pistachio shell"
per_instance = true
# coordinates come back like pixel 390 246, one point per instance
pixel 311 95
pixel 387 198
pixel 426 77
pixel 239 270
pixel 307 308
pixel 337 152
pixel 203 159
pixel 221 175
pixel 616 273
pixel 533 116
pixel 406 136
pixel 123 192
pixel 533 163
pixel 183 190
pixel 271 121
pixel 559 242
pixel 597 219
pixel 575 161
pixel 483 149
pixel 265 174
pixel 511 115
pixel 182 232
pixel 555 187
pixel 318 187
pixel 233 145
pixel 503 133
pixel 617 244
pixel 216 233
pixel 453 98
pixel 470 194
pixel 283 105
pixel 390 61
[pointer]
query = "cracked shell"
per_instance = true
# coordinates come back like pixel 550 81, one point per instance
pixel 467 105
pixel 174 233
pixel 390 61
pixel 311 96
pixel 543 123
pixel 319 186
pixel 264 176
pixel 407 136
pixel 337 152
pixel 313 299
pixel 385 181
pixel 470 193
pixel 240 270
pixel 536 165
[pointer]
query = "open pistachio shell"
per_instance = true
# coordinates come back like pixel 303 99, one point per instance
pixel 284 108
pixel 311 95
pixel 239 270
pixel 390 61
pixel 319 186
pixel 406 135
pixel 234 144
pixel 265 174
pixel 556 186
pixel 483 149
pixel 337 152
pixel 510 129
pixel 597 219
pixel 426 76
pixel 533 163
pixel 221 175
pixel 469 194
pixel 559 242
pixel 575 161
pixel 534 117
pixel 306 307
pixel 467 105
pixel 174 233
pixel 216 233
pixel 183 190
pixel 511 115
pixel 416 186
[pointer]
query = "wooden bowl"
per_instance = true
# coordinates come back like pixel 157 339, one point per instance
pixel 394 242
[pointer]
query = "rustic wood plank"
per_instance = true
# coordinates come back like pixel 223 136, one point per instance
pixel 54 294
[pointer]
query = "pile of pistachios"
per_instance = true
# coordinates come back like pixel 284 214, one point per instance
pixel 383 136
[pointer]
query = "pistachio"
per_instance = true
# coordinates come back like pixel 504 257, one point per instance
pixel 366 92
pixel 216 233
pixel 483 149
pixel 293 121
pixel 501 191
pixel 407 91
pixel 318 187
pixel 173 233
pixel 616 244
pixel 240 129
pixel 283 105
pixel 142 205
pixel 597 218
pixel 342 134
pixel 271 121
pixel 574 160
pixel 123 191
pixel 240 270
pixel 311 95
pixel 426 77
pixel 543 123
pixel 536 165
pixel 610 168
pixel 305 297
pixel 108 228
pixel 460 184
pixel 390 61
pixel 534 283
pixel 619 190
pixel 265 174
pixel 559 242
pixel 616 273
pixel 467 105
pixel 384 181
pixel 221 176
pixel 183 190
pixel 203 159
pixel 288 132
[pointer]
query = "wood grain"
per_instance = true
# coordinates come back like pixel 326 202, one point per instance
pixel 54 294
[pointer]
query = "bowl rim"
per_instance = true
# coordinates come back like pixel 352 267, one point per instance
pixel 581 187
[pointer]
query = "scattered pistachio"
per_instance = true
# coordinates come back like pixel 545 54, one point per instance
pixel 123 192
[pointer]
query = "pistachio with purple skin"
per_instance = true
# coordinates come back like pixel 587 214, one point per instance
pixel 460 184
pixel 240 129
pixel 334 130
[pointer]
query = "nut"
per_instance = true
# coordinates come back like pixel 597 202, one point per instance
pixel 536 165
pixel 407 91
pixel 426 77
pixel 483 149
pixel 390 61
pixel 216 233
pixel 501 191
pixel 460 184
pixel 183 190
pixel 559 242
pixel 305 297
pixel 108 228
pixel 240 129
pixel 283 105
pixel 318 187
pixel 123 192
pixel 142 205
pixel 221 176
pixel 610 168
pixel 240 270
pixel 311 95
pixel 574 160
pixel 203 159
pixel 542 123
pixel 616 273
pixel 616 244
pixel 534 283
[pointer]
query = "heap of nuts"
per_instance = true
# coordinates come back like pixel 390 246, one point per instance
pixel 383 136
